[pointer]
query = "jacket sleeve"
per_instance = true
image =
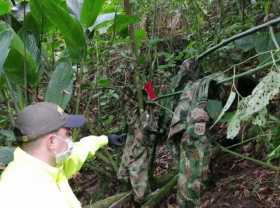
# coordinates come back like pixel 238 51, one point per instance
pixel 82 149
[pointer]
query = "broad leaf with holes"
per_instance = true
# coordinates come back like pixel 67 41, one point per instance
pixel 267 88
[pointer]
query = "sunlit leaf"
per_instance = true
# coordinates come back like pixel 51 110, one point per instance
pixel 103 22
pixel 233 126
pixel 103 82
pixel 5 7
pixel 226 107
pixel 75 7
pixel 140 35
pixel 122 21
pixel 103 18
pixel 90 10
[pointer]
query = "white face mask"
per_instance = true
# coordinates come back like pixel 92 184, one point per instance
pixel 62 156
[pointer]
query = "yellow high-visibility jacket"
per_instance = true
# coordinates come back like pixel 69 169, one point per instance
pixel 28 182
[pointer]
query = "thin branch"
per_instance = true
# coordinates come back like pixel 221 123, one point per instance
pixel 168 95
pixel 272 35
pixel 259 162
pixel 156 103
pixel 249 72
pixel 122 200
pixel 109 201
pixel 249 59
pixel 238 36
pixel 155 197
pixel 248 140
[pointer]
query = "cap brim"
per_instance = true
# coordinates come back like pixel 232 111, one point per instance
pixel 74 121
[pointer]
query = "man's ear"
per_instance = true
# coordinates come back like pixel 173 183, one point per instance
pixel 50 141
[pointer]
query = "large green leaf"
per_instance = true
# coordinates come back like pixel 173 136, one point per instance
pixel 5 7
pixel 214 107
pixel 31 44
pixel 30 25
pixel 103 22
pixel 60 86
pixel 69 27
pixel 102 18
pixel 14 68
pixel 18 59
pixel 90 10
pixel 140 35
pixel 40 18
pixel 5 41
pixel 246 43
pixel 122 21
pixel 117 22
pixel 261 42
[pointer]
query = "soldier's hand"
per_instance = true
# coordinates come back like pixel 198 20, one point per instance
pixel 116 140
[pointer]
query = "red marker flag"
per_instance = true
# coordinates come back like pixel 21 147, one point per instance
pixel 148 87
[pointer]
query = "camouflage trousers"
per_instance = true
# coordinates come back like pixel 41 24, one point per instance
pixel 193 172
pixel 189 122
pixel 137 156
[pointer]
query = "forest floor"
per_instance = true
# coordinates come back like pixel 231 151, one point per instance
pixel 241 184
pixel 235 183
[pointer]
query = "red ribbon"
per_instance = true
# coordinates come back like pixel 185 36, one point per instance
pixel 148 87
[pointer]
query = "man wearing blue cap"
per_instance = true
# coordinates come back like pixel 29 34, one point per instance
pixel 38 175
